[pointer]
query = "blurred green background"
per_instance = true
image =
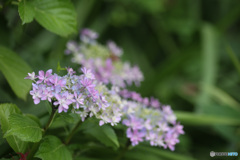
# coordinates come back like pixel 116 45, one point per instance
pixel 188 51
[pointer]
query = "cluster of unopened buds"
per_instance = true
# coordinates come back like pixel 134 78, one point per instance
pixel 87 94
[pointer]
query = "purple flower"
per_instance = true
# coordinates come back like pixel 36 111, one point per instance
pixel 36 93
pixel 167 109
pixel 101 122
pixel 71 47
pixel 88 36
pixel 87 83
pixel 93 93
pixel 47 94
pixel 159 125
pixel 31 76
pixel 79 99
pixel 135 136
pixel 88 73
pixel 152 136
pixel 168 114
pixel 163 127
pixel 145 101
pixel 103 103
pixel 70 71
pixel 114 49
pixel 62 102
pixel 147 124
pixel 83 114
pixel 159 141
pixel 125 93
pixel 171 140
pixel 44 77
pixel 105 72
pixel 81 93
pixel 136 96
pixel 57 81
pixel 154 103
pixel 178 129
pixel 134 122
pixel 137 75
pixel 69 96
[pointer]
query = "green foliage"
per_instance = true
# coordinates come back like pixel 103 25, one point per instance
pixel 141 156
pixel 166 155
pixel 5 111
pixel 1 137
pixel 15 70
pixel 6 158
pixel 201 119
pixel 64 119
pixel 26 11
pixel 105 134
pixel 234 58
pixel 52 148
pixel 57 16
pixel 24 128
pixel 34 118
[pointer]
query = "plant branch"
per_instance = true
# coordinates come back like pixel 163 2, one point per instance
pixel 74 130
pixel 50 120
pixel 125 149
pixel 36 145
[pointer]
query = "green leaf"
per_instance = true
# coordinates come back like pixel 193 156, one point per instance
pixel 58 16
pixel 85 158
pixel 62 119
pixel 140 156
pixel 26 11
pixel 204 119
pixel 69 117
pixel 229 132
pixel 5 111
pixel 52 148
pixel 162 153
pixel 34 118
pixel 59 68
pixel 1 137
pixel 15 69
pixel 24 128
pixel 8 158
pixel 105 134
pixel 210 46
pixel 223 97
pixel 233 57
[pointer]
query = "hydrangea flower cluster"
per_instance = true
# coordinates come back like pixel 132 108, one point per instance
pixel 78 94
pixel 158 126
pixel 146 118
pixel 103 60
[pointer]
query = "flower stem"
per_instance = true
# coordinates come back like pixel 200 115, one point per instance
pixel 36 145
pixel 50 120
pixel 124 150
pixel 69 137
